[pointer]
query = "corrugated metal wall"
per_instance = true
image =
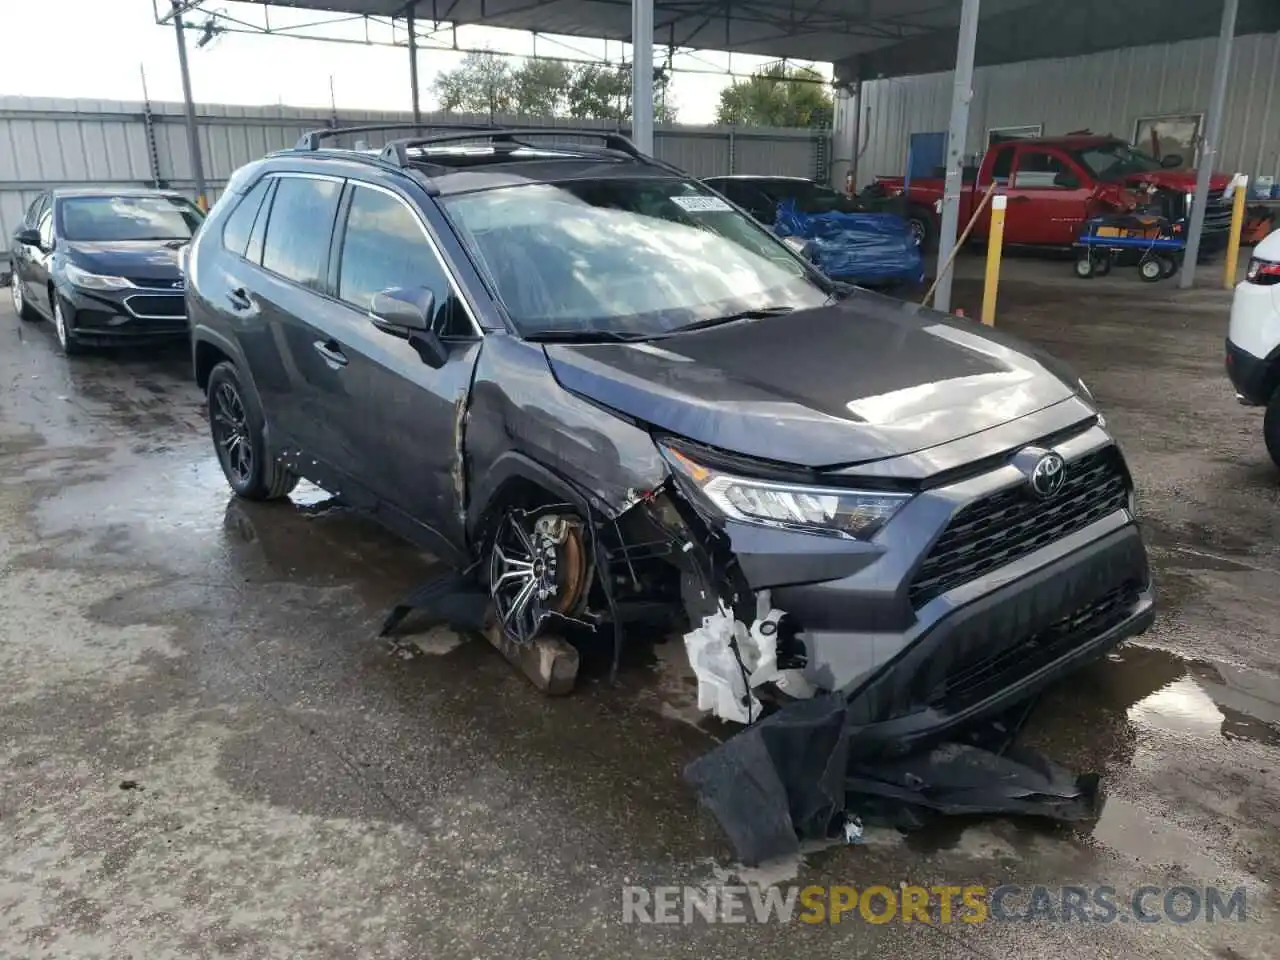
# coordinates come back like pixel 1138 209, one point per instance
pixel 1104 92
pixel 46 142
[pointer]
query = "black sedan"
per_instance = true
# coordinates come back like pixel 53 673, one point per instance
pixel 104 265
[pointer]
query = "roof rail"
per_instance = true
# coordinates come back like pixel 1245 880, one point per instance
pixel 311 139
pixel 397 150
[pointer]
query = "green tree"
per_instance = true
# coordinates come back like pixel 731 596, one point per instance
pixel 486 83
pixel 777 97
pixel 540 88
pixel 482 83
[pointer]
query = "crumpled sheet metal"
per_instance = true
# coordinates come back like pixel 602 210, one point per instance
pixel 800 773
pixel 860 247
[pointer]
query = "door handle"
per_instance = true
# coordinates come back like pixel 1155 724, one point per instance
pixel 331 352
pixel 239 299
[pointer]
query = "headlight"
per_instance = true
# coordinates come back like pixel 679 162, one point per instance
pixel 833 511
pixel 95 281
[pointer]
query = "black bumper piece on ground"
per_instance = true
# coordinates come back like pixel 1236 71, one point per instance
pixel 1255 380
pixel 793 776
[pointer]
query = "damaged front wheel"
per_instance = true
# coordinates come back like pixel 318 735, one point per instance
pixel 538 568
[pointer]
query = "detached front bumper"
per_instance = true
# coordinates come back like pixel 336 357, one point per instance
pixel 124 316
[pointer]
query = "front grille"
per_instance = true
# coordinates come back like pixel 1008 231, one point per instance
pixel 157 305
pixel 1005 526
pixel 975 681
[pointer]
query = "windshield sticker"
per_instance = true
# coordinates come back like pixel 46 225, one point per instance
pixel 700 204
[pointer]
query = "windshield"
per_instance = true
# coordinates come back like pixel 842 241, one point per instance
pixel 1109 161
pixel 635 257
pixel 100 219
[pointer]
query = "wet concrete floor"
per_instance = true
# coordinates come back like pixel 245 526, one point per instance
pixel 205 751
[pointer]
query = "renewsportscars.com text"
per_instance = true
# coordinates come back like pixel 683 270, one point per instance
pixel 971 904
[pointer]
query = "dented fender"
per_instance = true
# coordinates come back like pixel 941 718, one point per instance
pixel 521 424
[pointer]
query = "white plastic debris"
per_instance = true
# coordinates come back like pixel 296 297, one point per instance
pixel 852 829
pixel 722 686
pixel 725 679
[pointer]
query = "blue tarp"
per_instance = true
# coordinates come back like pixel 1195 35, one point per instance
pixel 865 248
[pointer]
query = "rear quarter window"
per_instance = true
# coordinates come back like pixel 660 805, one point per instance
pixel 239 223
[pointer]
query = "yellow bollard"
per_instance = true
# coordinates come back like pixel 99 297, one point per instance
pixel 1237 227
pixel 995 243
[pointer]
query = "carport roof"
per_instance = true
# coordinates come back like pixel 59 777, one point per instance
pixel 872 37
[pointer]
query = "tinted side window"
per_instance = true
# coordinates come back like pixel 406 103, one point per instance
pixel 46 230
pixel 259 234
pixel 1039 169
pixel 238 226
pixel 383 247
pixel 298 231
pixel 1002 166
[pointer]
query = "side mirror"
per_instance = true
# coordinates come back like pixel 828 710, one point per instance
pixel 1066 180
pixel 401 310
pixel 29 237
pixel 1171 160
pixel 406 312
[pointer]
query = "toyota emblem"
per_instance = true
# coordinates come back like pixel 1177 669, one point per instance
pixel 1048 476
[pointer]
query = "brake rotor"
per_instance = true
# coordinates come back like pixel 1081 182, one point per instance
pixel 537 567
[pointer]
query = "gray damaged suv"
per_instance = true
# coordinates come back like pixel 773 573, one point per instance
pixel 613 398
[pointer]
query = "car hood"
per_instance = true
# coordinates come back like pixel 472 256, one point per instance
pixel 858 381
pixel 1183 181
pixel 139 260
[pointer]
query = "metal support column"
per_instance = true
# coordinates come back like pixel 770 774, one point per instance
pixel 411 22
pixel 642 74
pixel 1209 145
pixel 961 94
pixel 193 132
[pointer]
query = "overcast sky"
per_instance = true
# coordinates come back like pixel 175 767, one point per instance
pixel 94 49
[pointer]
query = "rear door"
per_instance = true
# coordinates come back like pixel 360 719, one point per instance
pixel 305 390
pixel 1048 198
pixel 410 413
pixel 998 167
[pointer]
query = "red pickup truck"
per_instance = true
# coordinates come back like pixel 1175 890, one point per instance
pixel 1055 183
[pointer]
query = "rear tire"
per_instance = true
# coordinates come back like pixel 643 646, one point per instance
pixel 920 222
pixel 1271 428
pixel 235 423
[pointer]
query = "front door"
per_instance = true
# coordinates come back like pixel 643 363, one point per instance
pixel 1048 198
pixel 409 423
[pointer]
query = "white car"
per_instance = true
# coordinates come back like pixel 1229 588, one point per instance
pixel 1253 339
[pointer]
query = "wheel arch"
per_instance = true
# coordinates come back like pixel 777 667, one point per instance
pixel 515 479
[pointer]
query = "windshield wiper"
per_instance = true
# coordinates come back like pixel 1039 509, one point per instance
pixel 758 313
pixel 584 336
